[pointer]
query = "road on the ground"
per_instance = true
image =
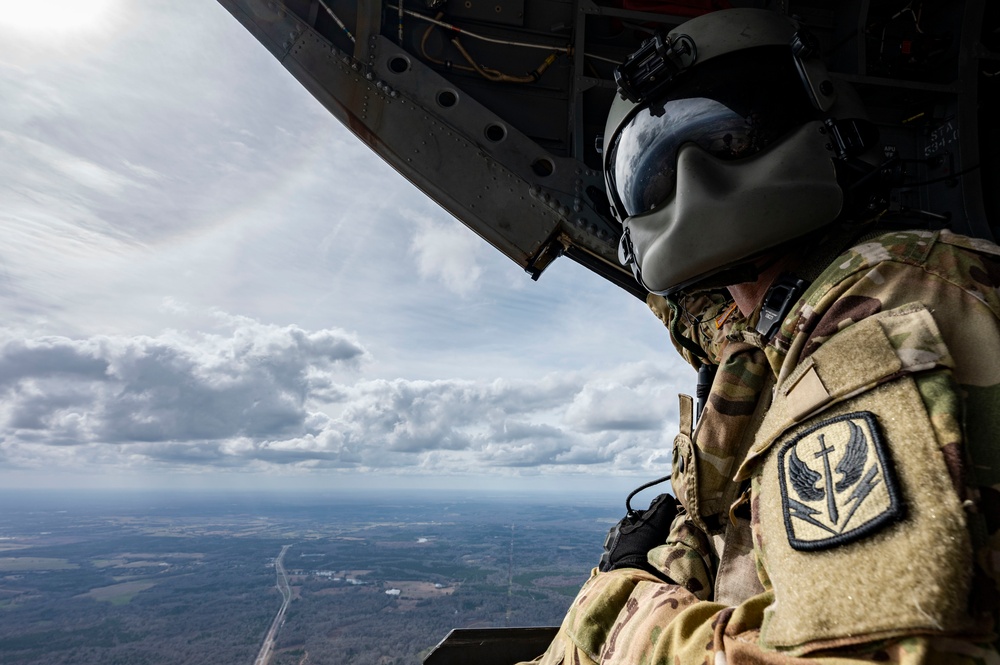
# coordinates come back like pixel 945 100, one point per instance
pixel 267 649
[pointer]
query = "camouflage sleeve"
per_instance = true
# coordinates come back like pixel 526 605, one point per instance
pixel 874 467
pixel 686 558
pixel 957 280
pixel 600 624
pixel 876 485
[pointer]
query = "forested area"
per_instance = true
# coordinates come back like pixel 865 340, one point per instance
pixel 200 588
pixel 213 608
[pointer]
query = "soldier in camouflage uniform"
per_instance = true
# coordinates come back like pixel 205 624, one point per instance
pixel 840 493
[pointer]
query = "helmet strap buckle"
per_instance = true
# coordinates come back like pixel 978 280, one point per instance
pixel 778 303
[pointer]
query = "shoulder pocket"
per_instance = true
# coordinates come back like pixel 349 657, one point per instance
pixel 872 352
pixel 859 528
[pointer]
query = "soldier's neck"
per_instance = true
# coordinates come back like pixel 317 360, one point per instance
pixel 750 295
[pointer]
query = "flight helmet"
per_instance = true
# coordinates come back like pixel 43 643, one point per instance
pixel 724 143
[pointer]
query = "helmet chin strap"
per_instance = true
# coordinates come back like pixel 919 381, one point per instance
pixel 626 256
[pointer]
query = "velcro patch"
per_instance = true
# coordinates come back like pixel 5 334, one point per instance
pixel 837 484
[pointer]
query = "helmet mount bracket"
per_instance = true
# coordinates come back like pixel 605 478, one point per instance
pixel 653 66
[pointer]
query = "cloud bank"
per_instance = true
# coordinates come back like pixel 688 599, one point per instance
pixel 250 396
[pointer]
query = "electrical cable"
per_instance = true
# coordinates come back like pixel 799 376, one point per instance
pixel 628 499
pixel 942 178
pixel 915 15
pixel 447 64
pixel 922 213
pixel 338 21
pixel 495 75
pixel 613 61
pixel 487 72
pixel 907 8
pixel 506 42
pixel 400 22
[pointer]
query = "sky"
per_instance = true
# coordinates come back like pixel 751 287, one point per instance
pixel 207 282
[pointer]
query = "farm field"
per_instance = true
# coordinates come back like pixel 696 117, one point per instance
pixel 189 579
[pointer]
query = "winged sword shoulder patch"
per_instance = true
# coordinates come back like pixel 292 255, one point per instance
pixel 837 483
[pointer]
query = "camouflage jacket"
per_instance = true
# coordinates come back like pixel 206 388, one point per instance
pixel 841 492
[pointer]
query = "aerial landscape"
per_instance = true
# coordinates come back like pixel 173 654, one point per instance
pixel 174 578
pixel 214 292
pixel 320 345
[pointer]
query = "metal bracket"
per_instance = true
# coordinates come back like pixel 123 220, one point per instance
pixel 653 66
pixel 851 136
pixel 549 253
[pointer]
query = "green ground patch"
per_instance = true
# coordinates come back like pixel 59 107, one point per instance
pixel 105 563
pixel 22 563
pixel 528 579
pixel 162 555
pixel 120 594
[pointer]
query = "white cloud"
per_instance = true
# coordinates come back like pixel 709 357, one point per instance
pixel 448 252
pixel 254 381
pixel 632 402
pixel 256 397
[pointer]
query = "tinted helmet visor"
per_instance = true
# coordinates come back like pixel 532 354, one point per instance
pixel 732 107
